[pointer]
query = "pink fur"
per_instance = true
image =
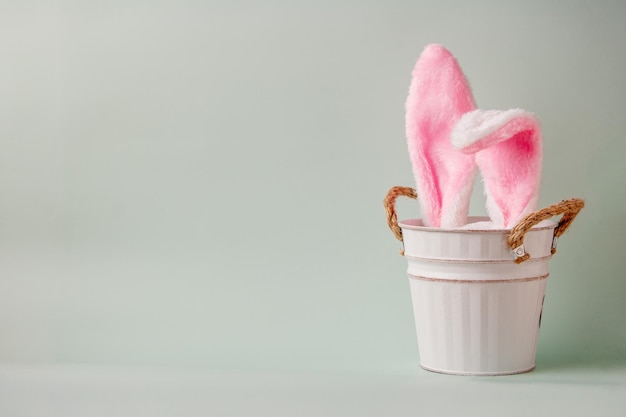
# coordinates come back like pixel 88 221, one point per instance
pixel 507 145
pixel 438 97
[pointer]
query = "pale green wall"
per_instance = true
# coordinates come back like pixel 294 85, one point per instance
pixel 199 183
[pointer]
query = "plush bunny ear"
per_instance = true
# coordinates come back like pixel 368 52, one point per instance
pixel 438 96
pixel 508 152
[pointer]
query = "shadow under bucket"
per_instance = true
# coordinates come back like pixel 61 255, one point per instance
pixel 478 293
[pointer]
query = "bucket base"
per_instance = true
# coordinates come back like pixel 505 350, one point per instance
pixel 448 372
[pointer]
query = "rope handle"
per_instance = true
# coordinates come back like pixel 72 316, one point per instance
pixel 390 207
pixel 568 208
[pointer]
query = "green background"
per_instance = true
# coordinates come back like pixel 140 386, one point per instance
pixel 200 184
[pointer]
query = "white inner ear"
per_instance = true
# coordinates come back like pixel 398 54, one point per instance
pixel 476 124
pixel 493 209
pixel 455 212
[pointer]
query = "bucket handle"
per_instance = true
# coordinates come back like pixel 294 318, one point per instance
pixel 390 208
pixel 568 208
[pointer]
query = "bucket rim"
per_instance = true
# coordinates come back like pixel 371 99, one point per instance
pixel 417 224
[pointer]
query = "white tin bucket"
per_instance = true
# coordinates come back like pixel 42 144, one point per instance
pixel 477 302
pixel 476 311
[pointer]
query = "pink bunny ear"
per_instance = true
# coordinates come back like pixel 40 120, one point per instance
pixel 438 96
pixel 508 152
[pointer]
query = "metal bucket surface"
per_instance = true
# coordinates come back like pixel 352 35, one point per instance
pixel 477 312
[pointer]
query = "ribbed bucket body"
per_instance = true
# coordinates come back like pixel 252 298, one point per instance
pixel 477 312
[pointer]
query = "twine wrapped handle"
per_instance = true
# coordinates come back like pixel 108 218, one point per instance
pixel 568 208
pixel 390 208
